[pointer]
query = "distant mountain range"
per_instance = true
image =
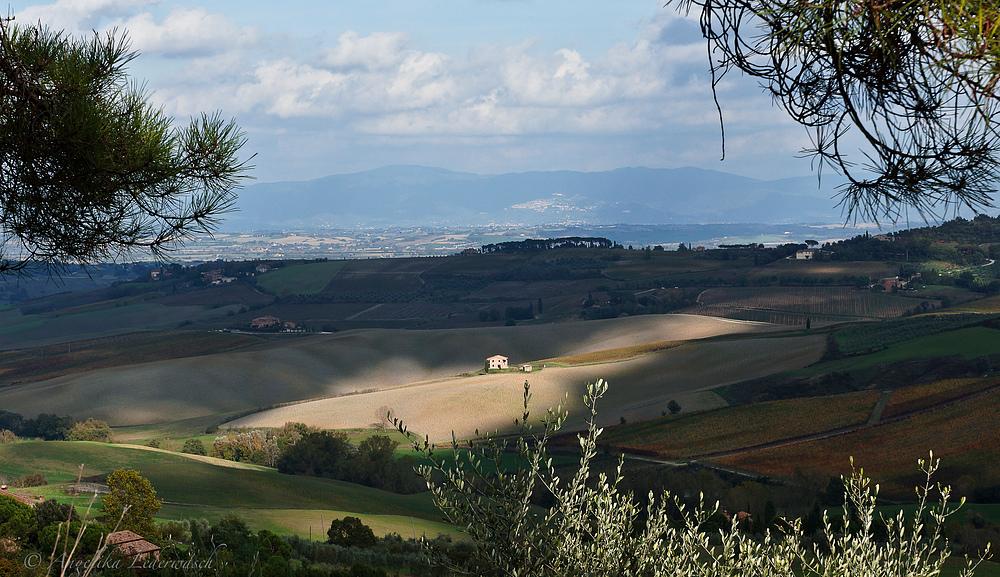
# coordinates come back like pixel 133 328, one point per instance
pixel 423 196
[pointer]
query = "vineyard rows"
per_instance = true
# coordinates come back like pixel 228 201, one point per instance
pixel 833 301
pixel 404 311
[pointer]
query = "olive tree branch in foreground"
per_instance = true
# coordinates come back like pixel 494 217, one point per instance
pixel 595 529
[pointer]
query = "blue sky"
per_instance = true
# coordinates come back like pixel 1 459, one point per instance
pixel 484 86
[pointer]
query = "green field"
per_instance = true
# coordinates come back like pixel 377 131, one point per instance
pixel 192 488
pixel 970 343
pixel 303 279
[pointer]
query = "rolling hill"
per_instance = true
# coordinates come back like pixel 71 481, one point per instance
pixel 301 368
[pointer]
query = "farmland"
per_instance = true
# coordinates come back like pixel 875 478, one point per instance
pixel 297 368
pixel 786 304
pixel 44 363
pixel 962 435
pixel 640 388
pixel 194 488
pixel 301 279
pixel 689 435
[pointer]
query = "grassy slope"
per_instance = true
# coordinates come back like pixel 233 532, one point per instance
pixel 192 488
pixel 301 279
pixel 320 366
pixel 639 388
pixel 50 362
pixel 970 343
pixel 34 330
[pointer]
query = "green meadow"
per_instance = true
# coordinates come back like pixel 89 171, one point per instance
pixel 195 488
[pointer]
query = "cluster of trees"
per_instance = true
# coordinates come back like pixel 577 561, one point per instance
pixel 257 446
pixel 297 449
pixel 49 427
pixel 372 462
pixel 621 303
pixel 547 243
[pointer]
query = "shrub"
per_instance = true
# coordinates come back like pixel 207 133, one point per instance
pixel 194 447
pixel 90 430
pixel 7 437
pixel 593 528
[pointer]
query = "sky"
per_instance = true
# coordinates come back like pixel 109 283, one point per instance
pixel 482 86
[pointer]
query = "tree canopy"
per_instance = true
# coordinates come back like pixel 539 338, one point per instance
pixel 130 502
pixel 90 171
pixel 913 81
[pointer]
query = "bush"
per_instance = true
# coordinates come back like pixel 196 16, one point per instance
pixel 593 528
pixel 194 447
pixel 7 437
pixel 90 430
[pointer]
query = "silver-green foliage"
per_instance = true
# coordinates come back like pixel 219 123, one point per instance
pixel 594 529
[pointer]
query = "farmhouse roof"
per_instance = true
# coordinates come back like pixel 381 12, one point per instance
pixel 497 357
pixel 131 544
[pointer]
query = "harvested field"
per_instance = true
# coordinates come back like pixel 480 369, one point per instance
pixel 224 294
pixel 639 387
pixel 296 368
pixel 49 362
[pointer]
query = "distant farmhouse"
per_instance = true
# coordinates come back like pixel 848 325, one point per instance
pixel 264 321
pixel 496 362
pixel 806 254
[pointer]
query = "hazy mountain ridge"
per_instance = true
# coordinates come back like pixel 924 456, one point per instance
pixel 416 195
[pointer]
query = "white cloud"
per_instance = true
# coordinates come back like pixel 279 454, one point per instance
pixel 380 93
pixel 186 32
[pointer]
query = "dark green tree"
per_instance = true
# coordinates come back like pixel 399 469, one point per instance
pixel 351 532
pixel 90 171
pixel 674 407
